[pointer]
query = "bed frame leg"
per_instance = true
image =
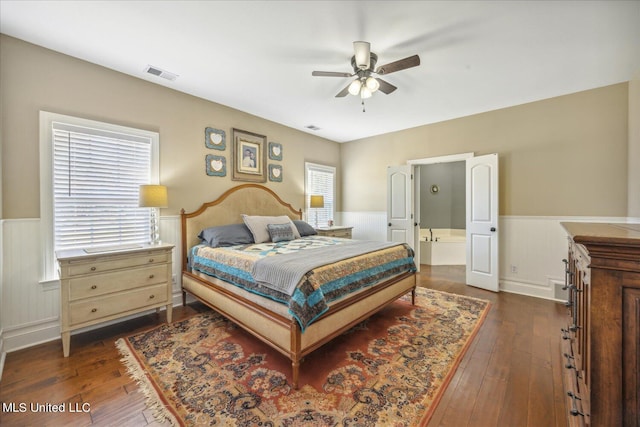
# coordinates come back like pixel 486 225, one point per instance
pixel 184 299
pixel 413 296
pixel 295 369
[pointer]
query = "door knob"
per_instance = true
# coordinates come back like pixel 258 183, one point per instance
pixel 493 229
pixel 389 224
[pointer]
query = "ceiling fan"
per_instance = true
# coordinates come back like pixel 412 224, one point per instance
pixel 364 62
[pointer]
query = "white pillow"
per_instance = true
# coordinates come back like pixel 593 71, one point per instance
pixel 258 226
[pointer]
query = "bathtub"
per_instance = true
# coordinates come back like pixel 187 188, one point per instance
pixel 449 249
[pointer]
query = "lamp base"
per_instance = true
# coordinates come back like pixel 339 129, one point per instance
pixel 154 237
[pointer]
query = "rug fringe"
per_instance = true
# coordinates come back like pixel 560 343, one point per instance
pixel 153 400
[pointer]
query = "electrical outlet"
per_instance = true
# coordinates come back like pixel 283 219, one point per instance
pixel 514 269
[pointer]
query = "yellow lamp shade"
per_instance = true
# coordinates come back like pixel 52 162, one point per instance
pixel 153 196
pixel 317 202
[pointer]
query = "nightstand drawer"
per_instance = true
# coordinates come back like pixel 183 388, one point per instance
pixel 346 234
pixel 100 264
pixel 102 307
pixel 335 231
pixel 101 284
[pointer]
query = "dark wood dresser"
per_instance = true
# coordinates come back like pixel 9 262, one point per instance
pixel 601 343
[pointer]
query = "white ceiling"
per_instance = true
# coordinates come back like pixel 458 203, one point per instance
pixel 257 56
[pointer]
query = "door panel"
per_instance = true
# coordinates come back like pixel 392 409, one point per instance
pixel 400 221
pixel 482 222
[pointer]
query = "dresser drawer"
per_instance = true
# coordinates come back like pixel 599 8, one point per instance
pixel 100 284
pixel 99 265
pixel 101 307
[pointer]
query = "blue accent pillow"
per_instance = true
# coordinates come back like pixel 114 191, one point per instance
pixel 280 232
pixel 304 228
pixel 226 235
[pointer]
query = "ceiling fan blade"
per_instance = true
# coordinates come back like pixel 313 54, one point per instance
pixel 386 87
pixel 330 74
pixel 403 64
pixel 343 92
pixel 362 53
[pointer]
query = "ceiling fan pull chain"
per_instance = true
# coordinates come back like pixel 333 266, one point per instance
pixel 363 106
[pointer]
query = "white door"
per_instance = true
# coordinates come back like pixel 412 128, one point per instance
pixel 482 221
pixel 400 222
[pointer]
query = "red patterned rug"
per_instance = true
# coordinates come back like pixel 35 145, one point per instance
pixel 390 370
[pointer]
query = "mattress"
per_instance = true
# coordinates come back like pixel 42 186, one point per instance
pixel 318 287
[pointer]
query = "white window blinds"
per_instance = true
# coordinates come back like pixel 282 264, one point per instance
pixel 96 179
pixel 320 180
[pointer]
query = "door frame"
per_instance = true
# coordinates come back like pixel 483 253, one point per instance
pixel 416 196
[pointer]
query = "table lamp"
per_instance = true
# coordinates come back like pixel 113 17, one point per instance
pixel 154 197
pixel 316 202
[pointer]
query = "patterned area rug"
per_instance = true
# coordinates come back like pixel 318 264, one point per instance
pixel 390 370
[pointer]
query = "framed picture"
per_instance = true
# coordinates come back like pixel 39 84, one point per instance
pixel 249 157
pixel 275 173
pixel 275 151
pixel 215 138
pixel 216 165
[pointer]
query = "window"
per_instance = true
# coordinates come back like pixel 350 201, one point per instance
pixel 320 180
pixel 91 174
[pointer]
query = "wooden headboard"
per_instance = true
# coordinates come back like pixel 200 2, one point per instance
pixel 250 199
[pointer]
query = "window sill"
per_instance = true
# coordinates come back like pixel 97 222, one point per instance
pixel 50 285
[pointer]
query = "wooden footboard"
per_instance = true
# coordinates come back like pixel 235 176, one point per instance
pixel 283 333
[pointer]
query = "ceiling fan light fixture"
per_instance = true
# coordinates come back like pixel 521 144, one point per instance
pixel 365 92
pixel 354 87
pixel 362 54
pixel 372 84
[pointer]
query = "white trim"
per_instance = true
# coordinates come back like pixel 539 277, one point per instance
pixel 48 270
pixel 442 159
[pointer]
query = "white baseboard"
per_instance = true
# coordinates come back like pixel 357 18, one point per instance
pixel 532 289
pixel 48 330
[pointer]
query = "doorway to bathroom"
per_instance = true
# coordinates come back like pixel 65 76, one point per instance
pixel 481 213
pixel 442 213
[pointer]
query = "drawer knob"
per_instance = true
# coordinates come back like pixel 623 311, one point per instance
pixel 93 269
pixel 94 287
pixel 150 259
pixel 93 310
pixel 151 276
pixel 152 296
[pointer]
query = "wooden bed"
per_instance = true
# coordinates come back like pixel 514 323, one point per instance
pixel 265 319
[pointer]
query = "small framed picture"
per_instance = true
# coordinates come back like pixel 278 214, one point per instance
pixel 216 165
pixel 275 151
pixel 249 156
pixel 215 138
pixel 275 173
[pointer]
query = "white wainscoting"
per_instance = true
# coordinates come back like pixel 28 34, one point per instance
pixel 30 308
pixel 531 248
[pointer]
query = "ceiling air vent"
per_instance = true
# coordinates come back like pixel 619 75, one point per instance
pixel 312 127
pixel 160 73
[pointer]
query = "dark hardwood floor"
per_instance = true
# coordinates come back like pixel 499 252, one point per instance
pixel 510 375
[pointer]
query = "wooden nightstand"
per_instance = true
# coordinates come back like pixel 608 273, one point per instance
pixel 100 286
pixel 335 231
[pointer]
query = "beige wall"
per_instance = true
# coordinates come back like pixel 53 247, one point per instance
pixel 34 78
pixel 634 148
pixel 565 156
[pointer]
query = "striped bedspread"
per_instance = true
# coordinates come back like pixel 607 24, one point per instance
pixel 317 287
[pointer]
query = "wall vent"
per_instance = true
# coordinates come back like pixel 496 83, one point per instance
pixel 312 127
pixel 160 73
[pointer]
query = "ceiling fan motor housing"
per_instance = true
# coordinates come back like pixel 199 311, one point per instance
pixel 373 59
